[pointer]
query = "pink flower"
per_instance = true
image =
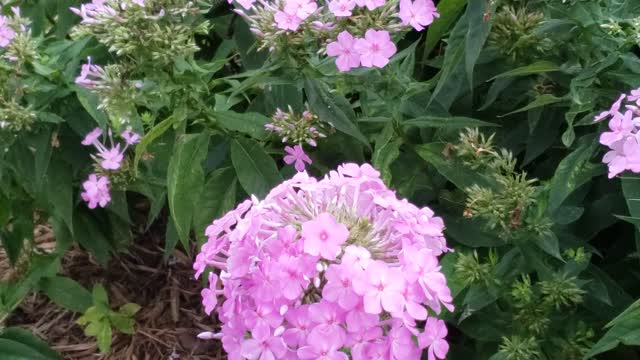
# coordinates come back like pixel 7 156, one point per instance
pixel 130 137
pixel 209 295
pixel 96 191
pixel 300 8
pixel 91 137
pixel 370 4
pixel 620 125
pixel 286 281
pixel 433 337
pixel 322 347
pixel 615 108
pixel 286 21
pixel 635 96
pixel 323 236
pixel 111 158
pixel 6 32
pixel 341 8
pixel 263 346
pixel 381 288
pixel 418 14
pixel 297 156
pixel 343 48
pixel 375 49
pixel 90 75
pixel 338 288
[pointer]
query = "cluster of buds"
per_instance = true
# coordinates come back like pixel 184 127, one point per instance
pixel 356 32
pixel 16 43
pixel 15 117
pixel 108 159
pixel 157 31
pixel 297 130
pixel 116 93
pixel 513 33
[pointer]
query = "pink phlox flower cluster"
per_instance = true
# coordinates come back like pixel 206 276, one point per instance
pixel 320 266
pixel 7 34
pixel 374 50
pixel 109 159
pixel 96 191
pixel 91 75
pixel 622 139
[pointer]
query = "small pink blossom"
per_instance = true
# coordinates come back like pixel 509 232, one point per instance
pixel 263 346
pixel 323 236
pixel 210 295
pixel 322 347
pixel 381 288
pixel 300 8
pixel 344 49
pixel 90 75
pixel 287 21
pixel 297 156
pixel 615 108
pixel 375 49
pixel 130 137
pixel 341 8
pixel 92 137
pixel 6 32
pixel 111 158
pixel 433 337
pixel 96 191
pixel 418 13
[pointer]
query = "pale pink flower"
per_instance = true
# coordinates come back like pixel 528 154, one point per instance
pixel 322 347
pixel 300 8
pixel 130 137
pixel 323 236
pixel 341 8
pixel 621 126
pixel 418 13
pixel 287 21
pixel 433 337
pixel 615 108
pixel 111 158
pixel 92 137
pixel 381 288
pixel 634 96
pixel 90 75
pixel 6 32
pixel 344 49
pixel 375 49
pixel 263 346
pixel 370 4
pixel 96 191
pixel 297 156
pixel 210 294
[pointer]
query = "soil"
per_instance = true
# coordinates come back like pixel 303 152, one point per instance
pixel 167 324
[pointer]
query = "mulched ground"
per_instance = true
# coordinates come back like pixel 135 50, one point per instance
pixel 166 326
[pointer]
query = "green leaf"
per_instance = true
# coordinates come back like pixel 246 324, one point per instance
pixel 540 101
pixel 66 293
pixel 21 230
pixel 88 233
pixel 99 295
pixel 549 244
pixel 122 323
pixel 538 67
pixel 152 135
pixel 572 172
pixel 104 338
pixel 129 309
pixel 477 33
pixel 90 103
pixel 451 122
pixel 171 237
pixel 248 123
pixel 450 168
pixel 185 180
pixel 13 350
pixel 60 190
pixel 631 191
pixel 387 150
pixel 24 337
pixel 257 172
pixel 449 11
pixel 328 108
pixel 625 329
pixel 218 197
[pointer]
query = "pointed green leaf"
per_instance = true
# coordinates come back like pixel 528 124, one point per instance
pixel 256 170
